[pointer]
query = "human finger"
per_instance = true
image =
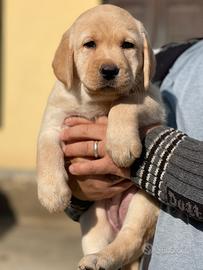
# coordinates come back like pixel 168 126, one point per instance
pixel 84 149
pixel 89 167
pixel 84 132
pixel 72 121
pixel 75 120
pixel 99 166
pixel 102 120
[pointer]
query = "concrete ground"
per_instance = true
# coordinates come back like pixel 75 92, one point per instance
pixel 40 246
pixel 30 238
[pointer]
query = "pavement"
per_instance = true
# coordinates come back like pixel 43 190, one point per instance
pixel 31 238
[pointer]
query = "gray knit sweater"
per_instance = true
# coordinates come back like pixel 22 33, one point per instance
pixel 170 169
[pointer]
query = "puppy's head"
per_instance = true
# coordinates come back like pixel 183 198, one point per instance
pixel 107 51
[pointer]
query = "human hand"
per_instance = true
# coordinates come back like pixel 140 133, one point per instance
pixel 93 179
pixel 102 184
pixel 79 139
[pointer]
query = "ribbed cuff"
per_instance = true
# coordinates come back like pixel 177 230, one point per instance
pixel 149 170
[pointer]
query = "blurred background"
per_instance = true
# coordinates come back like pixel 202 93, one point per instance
pixel 30 31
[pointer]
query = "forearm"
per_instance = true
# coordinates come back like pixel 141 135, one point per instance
pixel 171 170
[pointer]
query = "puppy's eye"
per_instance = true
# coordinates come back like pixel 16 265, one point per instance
pixel 127 45
pixel 90 44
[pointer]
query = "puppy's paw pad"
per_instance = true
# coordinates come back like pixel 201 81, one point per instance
pixel 85 268
pixel 96 262
pixel 88 262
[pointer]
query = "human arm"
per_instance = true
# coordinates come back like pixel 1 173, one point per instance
pixel 170 167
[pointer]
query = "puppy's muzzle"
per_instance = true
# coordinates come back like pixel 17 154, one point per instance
pixel 109 71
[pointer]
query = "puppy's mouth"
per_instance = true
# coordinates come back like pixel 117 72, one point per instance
pixel 103 90
pixel 110 88
pixel 107 85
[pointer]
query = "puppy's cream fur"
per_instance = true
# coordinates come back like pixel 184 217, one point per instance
pixel 129 100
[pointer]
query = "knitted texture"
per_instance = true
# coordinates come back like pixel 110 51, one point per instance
pixel 171 170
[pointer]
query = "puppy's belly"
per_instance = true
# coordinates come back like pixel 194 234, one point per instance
pixel 117 207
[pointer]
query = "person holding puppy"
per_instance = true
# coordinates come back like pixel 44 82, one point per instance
pixel 170 167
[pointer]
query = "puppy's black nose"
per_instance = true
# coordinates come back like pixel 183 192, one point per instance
pixel 109 72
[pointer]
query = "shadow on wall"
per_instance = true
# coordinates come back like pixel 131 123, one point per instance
pixel 7 216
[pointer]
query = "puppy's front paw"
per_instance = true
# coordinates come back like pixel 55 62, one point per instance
pixel 97 261
pixel 54 193
pixel 124 150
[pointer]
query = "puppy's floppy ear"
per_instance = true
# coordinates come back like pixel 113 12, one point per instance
pixel 149 62
pixel 63 61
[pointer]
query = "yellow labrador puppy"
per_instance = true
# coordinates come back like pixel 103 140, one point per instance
pixel 103 64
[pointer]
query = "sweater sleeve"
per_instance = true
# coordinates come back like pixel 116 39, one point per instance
pixel 171 170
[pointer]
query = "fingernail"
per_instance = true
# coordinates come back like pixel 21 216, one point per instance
pixel 71 169
pixel 61 136
pixel 69 121
pixel 63 148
